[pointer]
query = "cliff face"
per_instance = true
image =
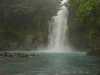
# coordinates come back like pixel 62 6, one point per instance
pixel 29 43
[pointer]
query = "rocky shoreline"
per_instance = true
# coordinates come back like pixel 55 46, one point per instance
pixel 93 53
pixel 17 55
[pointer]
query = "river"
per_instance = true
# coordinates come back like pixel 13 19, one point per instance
pixel 51 64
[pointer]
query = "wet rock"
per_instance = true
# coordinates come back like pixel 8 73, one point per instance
pixel 7 53
pixel 1 54
pixel 18 55
pixel 98 62
pixel 98 73
pixel 38 55
pixel 3 74
pixel 33 55
pixel 93 53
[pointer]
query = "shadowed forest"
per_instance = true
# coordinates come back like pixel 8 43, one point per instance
pixel 24 23
pixel 84 24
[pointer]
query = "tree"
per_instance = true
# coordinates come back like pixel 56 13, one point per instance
pixel 20 17
pixel 87 14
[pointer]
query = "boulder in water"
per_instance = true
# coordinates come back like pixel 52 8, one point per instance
pixel 7 54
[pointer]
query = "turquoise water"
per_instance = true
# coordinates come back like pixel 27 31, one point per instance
pixel 51 64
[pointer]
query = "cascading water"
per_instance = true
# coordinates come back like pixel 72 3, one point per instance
pixel 58 37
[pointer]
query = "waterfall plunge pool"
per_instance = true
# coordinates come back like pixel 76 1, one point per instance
pixel 50 64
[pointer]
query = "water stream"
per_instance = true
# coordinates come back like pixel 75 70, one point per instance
pixel 58 31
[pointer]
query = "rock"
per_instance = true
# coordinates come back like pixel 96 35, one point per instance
pixel 33 55
pixel 19 55
pixel 7 53
pixel 30 56
pixel 3 74
pixel 11 55
pixel 98 62
pixel 98 73
pixel 93 53
pixel 38 55
pixel 1 54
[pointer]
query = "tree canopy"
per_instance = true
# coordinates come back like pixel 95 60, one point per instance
pixel 21 17
pixel 87 14
pixel 17 17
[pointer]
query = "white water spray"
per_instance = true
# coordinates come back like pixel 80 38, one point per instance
pixel 58 31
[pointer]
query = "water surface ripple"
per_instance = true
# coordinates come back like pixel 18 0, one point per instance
pixel 51 64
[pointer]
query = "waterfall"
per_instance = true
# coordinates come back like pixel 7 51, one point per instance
pixel 58 31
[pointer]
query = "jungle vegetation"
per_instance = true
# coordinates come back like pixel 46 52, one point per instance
pixel 84 23
pixel 21 17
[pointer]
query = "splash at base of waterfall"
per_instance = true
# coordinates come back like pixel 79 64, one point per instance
pixel 58 31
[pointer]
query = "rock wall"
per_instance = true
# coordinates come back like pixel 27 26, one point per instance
pixel 29 43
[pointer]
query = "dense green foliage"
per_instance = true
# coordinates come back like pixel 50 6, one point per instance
pixel 86 27
pixel 21 17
